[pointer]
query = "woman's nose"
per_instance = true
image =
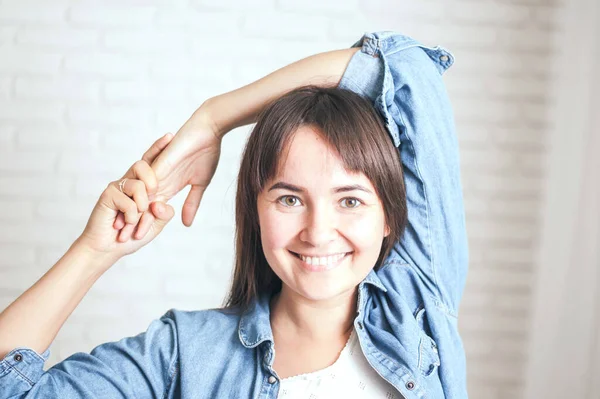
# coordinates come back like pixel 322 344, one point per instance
pixel 320 228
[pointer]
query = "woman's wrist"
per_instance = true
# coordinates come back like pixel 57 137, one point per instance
pixel 204 119
pixel 92 261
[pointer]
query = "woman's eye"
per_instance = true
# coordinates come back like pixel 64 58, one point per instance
pixel 289 200
pixel 351 202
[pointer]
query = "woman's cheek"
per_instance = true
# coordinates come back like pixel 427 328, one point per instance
pixel 278 229
pixel 364 229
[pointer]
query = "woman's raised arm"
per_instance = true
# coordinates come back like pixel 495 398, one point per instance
pixel 242 106
pixel 192 156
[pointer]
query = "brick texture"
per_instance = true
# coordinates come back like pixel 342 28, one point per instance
pixel 86 86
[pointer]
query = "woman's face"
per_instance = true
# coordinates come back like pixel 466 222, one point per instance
pixel 321 227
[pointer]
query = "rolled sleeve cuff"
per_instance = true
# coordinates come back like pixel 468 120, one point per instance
pixel 364 73
pixel 22 365
pixel 368 75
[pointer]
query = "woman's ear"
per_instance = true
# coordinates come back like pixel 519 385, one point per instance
pixel 387 231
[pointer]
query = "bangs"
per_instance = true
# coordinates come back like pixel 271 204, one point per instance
pixel 355 137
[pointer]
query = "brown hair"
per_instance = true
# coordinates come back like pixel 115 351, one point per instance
pixel 353 128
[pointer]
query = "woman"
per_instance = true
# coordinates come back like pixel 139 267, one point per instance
pixel 398 302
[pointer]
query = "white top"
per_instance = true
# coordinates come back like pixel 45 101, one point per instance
pixel 350 376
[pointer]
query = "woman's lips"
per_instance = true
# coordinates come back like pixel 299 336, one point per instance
pixel 317 264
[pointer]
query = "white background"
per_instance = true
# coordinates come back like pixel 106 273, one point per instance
pixel 86 86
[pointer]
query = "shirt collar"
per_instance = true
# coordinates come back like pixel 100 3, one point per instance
pixel 373 279
pixel 255 323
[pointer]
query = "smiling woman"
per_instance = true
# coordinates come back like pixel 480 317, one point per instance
pixel 320 177
pixel 351 250
pixel 321 194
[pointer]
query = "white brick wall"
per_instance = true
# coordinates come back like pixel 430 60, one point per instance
pixel 86 86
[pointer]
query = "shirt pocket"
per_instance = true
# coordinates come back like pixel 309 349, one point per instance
pixel 429 357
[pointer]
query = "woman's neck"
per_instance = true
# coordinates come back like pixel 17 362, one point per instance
pixel 309 320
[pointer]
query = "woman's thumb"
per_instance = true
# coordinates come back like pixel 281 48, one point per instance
pixel 163 212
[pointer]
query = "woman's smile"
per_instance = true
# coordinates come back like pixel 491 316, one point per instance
pixel 321 263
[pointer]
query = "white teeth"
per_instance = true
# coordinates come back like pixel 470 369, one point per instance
pixel 322 261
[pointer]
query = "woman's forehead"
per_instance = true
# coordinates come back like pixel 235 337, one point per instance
pixel 309 160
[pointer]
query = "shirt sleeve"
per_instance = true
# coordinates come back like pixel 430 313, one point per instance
pixel 403 79
pixel 140 366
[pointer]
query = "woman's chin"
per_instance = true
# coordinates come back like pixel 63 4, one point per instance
pixel 322 292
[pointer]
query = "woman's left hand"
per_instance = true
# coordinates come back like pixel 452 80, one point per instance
pixel 108 229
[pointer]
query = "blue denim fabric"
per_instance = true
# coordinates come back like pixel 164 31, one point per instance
pixel 407 310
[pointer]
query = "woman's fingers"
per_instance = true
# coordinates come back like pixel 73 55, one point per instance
pixel 164 213
pixel 133 193
pixel 119 221
pixel 121 202
pixel 144 225
pixel 160 214
pixel 191 205
pixel 141 184
pixel 140 189
pixel 125 233
pixel 137 190
pixel 157 148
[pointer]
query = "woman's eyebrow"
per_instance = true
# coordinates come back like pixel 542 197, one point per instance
pixel 341 189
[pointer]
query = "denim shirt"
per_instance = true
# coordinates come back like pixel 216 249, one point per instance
pixel 406 317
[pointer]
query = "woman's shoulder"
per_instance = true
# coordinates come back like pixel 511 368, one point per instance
pixel 207 321
pixel 206 335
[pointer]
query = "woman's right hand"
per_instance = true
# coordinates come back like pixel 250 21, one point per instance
pixel 190 159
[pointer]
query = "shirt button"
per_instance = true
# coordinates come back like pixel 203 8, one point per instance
pixel 272 380
pixel 410 385
pixel 360 326
pixel 18 357
pixel 444 58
